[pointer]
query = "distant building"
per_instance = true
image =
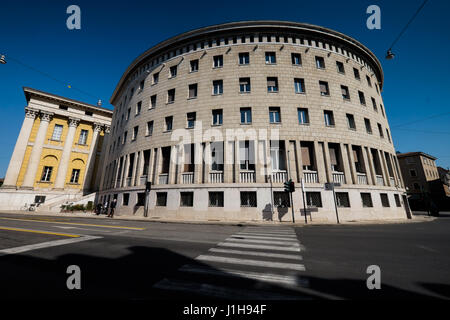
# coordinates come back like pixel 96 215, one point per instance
pixel 57 154
pixel 423 181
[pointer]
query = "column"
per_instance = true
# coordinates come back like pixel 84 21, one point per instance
pixel 173 164
pixel 104 158
pixel 140 170
pixel 65 156
pixel 396 179
pixel 290 147
pixel 351 160
pixel 19 149
pixel 135 170
pixel 371 166
pixel 126 164
pixel 327 162
pixel 35 156
pixel 399 173
pixel 229 160
pixel 92 157
pixel 345 162
pixel 298 156
pixel 198 163
pixel 260 146
pixel 151 164
pixel 208 160
pixel 384 171
pixel 237 164
pixel 318 155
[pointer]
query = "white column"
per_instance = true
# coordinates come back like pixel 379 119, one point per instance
pixel 65 156
pixel 91 158
pixel 19 150
pixel 35 156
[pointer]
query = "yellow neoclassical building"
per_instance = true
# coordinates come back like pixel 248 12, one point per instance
pixel 57 155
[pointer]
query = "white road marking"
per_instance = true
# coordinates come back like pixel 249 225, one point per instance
pixel 265 234
pixel 292 243
pixel 221 292
pixel 265 277
pixel 244 236
pixel 257 253
pixel 257 246
pixel 250 262
pixel 270 233
pixel 47 244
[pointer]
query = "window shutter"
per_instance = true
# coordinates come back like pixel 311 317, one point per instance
pixel 305 156
pixel 333 157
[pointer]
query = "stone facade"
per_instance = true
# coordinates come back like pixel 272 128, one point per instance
pixel 267 71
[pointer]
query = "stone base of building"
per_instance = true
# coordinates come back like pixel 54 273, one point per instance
pixel 264 209
pixel 12 199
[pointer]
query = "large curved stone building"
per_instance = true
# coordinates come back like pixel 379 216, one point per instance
pixel 220 117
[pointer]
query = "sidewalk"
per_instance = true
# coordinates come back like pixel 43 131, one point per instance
pixel 416 219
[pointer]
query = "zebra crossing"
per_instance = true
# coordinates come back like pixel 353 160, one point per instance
pixel 256 263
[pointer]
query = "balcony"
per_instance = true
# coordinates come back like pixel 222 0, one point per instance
pixel 362 178
pixel 379 179
pixel 118 181
pixel 163 178
pixel 187 178
pixel 279 176
pixel 310 176
pixel 338 177
pixel 392 181
pixel 143 180
pixel 216 177
pixel 128 182
pixel 247 176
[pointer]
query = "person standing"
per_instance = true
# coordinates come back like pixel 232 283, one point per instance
pixel 113 207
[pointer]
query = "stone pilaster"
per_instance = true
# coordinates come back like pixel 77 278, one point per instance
pixel 92 156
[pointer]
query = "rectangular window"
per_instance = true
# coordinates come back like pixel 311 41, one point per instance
pixel 194 65
pixel 324 90
pixel 351 121
pixel 124 137
pixel 140 199
pixel 272 84
pixel 217 87
pixel 135 133
pixel 217 116
pixel 342 200
pixel 244 85
pixel 412 173
pixel 345 92
pixel 186 199
pixel 313 200
pixel 190 118
pixel 138 107
pixel 218 61
pixel 169 121
pixel 380 130
pixel 171 96
pixel 366 199
pixel 329 118
pixel 296 59
pixel 75 176
pixel 215 199
pixel 161 199
pixel 368 126
pixel 155 78
pixel 374 104
pixel 271 58
pixel 247 155
pixel 244 58
pixel 356 73
pixel 173 71
pixel 397 200
pixel 248 199
pixel 46 174
pixel 362 99
pixel 246 115
pixel 149 128
pixel 340 67
pixel 384 200
pixel 126 199
pixel 369 83
pixel 153 101
pixel 281 199
pixel 320 62
pixel 128 114
pixel 141 85
pixel 274 114
pixel 299 85
pixel 83 137
pixel 388 135
pixel 303 116
pixel 193 91
pixel 57 132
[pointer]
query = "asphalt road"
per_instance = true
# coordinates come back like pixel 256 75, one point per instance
pixel 137 260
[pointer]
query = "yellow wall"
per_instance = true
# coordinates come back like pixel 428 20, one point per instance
pixel 51 157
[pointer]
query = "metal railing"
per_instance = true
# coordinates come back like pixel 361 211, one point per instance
pixel 338 177
pixel 279 176
pixel 362 178
pixel 128 182
pixel 392 181
pixel 187 178
pixel 143 180
pixel 163 178
pixel 380 181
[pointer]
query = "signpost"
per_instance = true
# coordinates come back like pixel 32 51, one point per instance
pixel 304 199
pixel 331 186
pixel 148 187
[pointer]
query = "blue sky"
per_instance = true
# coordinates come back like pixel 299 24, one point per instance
pixel 113 33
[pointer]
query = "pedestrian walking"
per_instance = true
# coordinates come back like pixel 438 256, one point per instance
pixel 105 207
